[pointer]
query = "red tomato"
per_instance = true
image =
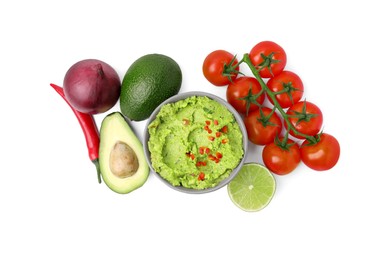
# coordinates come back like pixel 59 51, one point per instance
pixel 217 68
pixel 269 57
pixel 261 129
pixel 323 155
pixel 306 118
pixel 281 160
pixel 286 81
pixel 240 98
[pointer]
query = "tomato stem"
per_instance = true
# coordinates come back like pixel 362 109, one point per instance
pixel 282 143
pixel 267 62
pixel 251 99
pixel 229 70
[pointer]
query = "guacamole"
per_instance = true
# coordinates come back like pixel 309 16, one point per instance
pixel 195 142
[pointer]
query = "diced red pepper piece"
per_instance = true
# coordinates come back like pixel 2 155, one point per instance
pixel 207 128
pixel 211 157
pixel 201 163
pixel 211 138
pixel 219 155
pixel 201 176
pixel 208 122
pixel 208 150
pixel 218 134
pixel 216 122
pixel 190 155
pixel 225 129
pixel 225 141
pixel 201 150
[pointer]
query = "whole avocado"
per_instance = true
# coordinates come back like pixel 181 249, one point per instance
pixel 148 82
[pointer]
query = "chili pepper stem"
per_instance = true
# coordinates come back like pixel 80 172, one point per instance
pixel 96 163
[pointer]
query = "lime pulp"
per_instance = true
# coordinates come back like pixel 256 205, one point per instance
pixel 253 187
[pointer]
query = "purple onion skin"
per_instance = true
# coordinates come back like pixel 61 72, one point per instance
pixel 92 86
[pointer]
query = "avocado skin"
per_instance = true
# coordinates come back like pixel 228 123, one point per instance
pixel 115 128
pixel 148 82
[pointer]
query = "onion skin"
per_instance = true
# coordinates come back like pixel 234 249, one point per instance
pixel 92 86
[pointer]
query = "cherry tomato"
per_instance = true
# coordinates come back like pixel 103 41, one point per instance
pixel 218 66
pixel 269 57
pixel 306 118
pixel 242 91
pixel 286 81
pixel 281 160
pixel 323 155
pixel 262 126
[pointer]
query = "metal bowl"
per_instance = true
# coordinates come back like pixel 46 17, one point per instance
pixel 182 96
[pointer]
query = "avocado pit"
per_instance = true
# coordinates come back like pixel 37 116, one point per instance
pixel 123 160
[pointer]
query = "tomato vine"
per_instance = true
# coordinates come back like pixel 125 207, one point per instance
pixel 272 96
pixel 284 89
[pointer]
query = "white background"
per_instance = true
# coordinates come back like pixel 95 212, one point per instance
pixel 51 206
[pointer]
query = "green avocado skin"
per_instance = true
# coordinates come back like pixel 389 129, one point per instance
pixel 148 82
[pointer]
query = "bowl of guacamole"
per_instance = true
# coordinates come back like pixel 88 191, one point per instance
pixel 195 142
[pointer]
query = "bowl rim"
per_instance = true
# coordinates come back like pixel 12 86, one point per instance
pixel 182 96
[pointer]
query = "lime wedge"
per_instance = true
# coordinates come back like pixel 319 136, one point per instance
pixel 253 187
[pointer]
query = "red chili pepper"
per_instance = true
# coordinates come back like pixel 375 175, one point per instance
pixel 90 131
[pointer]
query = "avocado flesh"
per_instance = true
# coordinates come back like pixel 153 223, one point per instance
pixel 121 158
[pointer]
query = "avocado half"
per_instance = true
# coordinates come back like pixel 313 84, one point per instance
pixel 121 158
